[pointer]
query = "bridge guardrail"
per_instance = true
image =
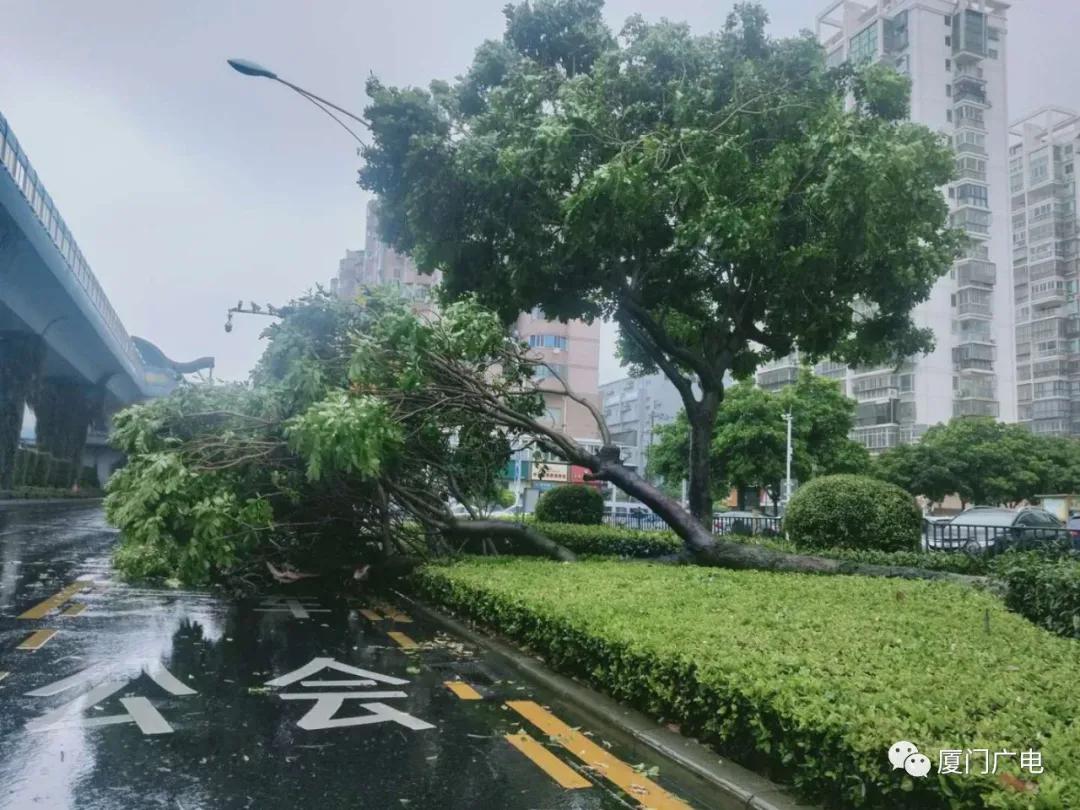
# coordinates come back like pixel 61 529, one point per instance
pixel 17 165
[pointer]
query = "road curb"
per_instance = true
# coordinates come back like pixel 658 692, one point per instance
pixel 740 788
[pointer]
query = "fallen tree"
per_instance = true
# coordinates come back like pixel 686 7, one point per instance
pixel 363 423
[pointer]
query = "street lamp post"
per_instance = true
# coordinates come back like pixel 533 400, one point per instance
pixel 787 479
pixel 249 68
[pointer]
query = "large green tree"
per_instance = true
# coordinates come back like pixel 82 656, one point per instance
pixel 716 195
pixel 983 462
pixel 749 447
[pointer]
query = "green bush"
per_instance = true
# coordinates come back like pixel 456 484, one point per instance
pixel 970 565
pixel 573 503
pixel 616 541
pixel 853 511
pixel 611 540
pixel 806 678
pixel 595 541
pixel 1046 591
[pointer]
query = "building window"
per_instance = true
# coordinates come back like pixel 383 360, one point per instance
pixel 948 91
pixel 863 47
pixel 948 64
pixel 896 33
pixel 547 341
pixel 970 193
pixel 948 41
pixel 948 115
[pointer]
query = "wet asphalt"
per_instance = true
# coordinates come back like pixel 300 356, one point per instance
pixel 158 698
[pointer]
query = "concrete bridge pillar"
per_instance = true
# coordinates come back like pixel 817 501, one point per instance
pixel 64 409
pixel 21 355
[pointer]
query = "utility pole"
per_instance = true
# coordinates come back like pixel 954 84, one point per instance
pixel 787 479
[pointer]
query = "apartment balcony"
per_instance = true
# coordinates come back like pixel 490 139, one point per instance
pixel 974 309
pixel 974 406
pixel 968 89
pixel 975 272
pixel 970 149
pixel 1049 268
pixel 963 173
pixel 971 73
pixel 1051 408
pixel 1053 297
pixel 973 357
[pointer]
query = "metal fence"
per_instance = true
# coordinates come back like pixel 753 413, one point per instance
pixel 983 539
pixel 722 524
pixel 946 537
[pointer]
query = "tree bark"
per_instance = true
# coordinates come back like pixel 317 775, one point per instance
pixel 702 419
pixel 485 529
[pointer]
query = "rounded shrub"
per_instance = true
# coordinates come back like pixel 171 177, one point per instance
pixel 574 503
pixel 853 511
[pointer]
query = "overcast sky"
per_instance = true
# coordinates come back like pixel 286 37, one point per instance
pixel 189 187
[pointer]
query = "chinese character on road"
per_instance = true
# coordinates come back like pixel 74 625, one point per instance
pixel 327 703
pixel 138 710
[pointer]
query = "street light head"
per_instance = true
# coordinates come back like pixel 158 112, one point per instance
pixel 249 68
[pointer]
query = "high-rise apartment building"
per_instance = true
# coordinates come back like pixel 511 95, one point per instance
pixel 384 266
pixel 954 52
pixel 1042 182
pixel 347 282
pixel 634 407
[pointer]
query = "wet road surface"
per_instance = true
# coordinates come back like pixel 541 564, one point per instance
pixel 113 696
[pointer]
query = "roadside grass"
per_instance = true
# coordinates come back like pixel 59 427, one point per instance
pixel 807 678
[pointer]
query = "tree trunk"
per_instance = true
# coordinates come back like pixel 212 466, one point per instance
pixel 705 549
pixel 702 419
pixel 486 529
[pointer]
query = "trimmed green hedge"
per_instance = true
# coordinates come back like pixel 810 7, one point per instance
pixel 807 678
pixel 853 511
pixel 1046 591
pixel 571 503
pixel 36 468
pixel 612 541
pixel 930 560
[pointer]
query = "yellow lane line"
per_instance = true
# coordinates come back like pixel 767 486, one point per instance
pixel 370 614
pixel 463 690
pixel 36 640
pixel 40 610
pixel 637 786
pixel 393 613
pixel 403 640
pixel 74 609
pixel 548 762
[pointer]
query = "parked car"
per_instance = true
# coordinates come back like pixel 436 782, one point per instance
pixel 1074 530
pixel 991 528
pixel 632 516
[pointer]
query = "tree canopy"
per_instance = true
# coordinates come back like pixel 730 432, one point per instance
pixel 749 447
pixel 314 463
pixel 984 462
pixel 715 195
